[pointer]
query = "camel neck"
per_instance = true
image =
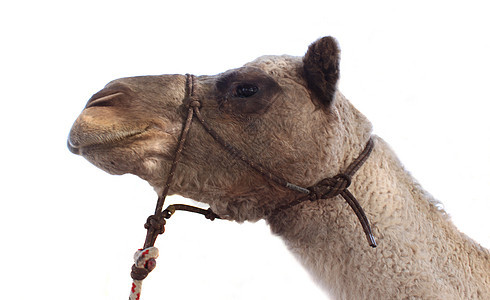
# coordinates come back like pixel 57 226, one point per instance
pixel 419 253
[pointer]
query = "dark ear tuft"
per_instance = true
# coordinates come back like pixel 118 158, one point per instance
pixel 321 66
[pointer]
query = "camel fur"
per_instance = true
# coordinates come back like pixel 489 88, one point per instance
pixel 286 113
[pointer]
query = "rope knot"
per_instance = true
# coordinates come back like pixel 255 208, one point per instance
pixel 142 273
pixel 210 215
pixel 156 222
pixel 330 187
pixel 144 263
pixel 343 180
pixel 194 102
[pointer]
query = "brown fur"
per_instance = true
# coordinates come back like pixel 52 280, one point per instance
pixel 321 64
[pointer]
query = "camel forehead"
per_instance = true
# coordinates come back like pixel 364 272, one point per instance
pixel 282 66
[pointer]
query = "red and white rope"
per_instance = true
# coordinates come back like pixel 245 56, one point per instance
pixel 141 258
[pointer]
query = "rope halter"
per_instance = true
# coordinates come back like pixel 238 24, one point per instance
pixel 327 188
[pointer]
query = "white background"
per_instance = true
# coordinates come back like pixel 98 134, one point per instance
pixel 419 71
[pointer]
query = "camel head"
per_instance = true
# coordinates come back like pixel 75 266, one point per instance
pixel 283 112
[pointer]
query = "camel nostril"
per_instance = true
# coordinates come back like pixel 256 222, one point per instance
pixel 103 100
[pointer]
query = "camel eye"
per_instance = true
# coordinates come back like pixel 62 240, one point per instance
pixel 246 90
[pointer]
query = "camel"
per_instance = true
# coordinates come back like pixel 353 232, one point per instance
pixel 287 114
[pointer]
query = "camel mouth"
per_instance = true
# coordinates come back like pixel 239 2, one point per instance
pixel 72 148
pixel 79 142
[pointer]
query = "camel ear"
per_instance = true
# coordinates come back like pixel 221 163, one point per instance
pixel 321 66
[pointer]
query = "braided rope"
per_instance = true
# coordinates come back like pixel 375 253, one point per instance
pixel 145 258
pixel 144 262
